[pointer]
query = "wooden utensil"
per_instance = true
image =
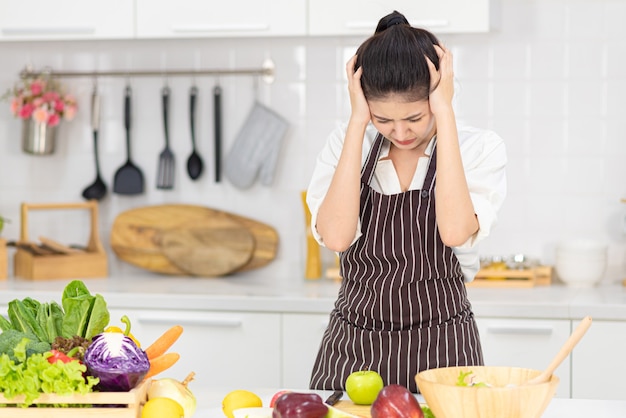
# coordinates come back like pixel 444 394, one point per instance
pixel 565 350
pixel 58 247
pixel 136 235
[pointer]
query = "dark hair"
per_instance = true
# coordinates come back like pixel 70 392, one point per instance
pixel 394 60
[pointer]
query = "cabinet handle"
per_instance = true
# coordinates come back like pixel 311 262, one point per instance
pixel 520 330
pixel 228 27
pixel 429 23
pixel 74 30
pixel 207 322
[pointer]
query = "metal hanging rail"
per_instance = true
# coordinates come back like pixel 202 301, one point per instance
pixel 266 72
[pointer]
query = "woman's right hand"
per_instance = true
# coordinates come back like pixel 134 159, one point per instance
pixel 360 108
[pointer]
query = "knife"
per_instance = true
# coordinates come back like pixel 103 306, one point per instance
pixel 334 398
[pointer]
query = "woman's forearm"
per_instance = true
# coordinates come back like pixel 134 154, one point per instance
pixel 338 215
pixel 456 219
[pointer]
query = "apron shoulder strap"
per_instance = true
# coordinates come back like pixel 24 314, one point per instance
pixel 372 158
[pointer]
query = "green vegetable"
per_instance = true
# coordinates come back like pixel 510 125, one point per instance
pixel 85 315
pixel 460 381
pixel 10 339
pixel 427 412
pixel 35 375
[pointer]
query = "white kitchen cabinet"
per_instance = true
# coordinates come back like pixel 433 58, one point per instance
pixel 235 18
pixel 66 19
pixel 526 343
pixel 225 349
pixel 302 335
pixel 360 17
pixel 598 365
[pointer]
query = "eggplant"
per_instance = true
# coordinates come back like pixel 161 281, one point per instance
pixel 117 361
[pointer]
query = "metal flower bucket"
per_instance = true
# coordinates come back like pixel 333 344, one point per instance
pixel 37 137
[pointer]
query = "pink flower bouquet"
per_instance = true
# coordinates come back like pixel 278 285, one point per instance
pixel 42 100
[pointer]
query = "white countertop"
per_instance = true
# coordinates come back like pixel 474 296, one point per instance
pixel 258 293
pixel 210 405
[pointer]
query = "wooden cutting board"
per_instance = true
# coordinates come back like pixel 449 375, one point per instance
pixel 354 409
pixel 175 238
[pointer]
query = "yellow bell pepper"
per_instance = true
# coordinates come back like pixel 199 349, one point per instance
pixel 126 332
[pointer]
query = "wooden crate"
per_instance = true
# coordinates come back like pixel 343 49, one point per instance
pixel 86 264
pixel 497 277
pixel 96 404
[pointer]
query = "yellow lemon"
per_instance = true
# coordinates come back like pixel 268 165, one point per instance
pixel 162 408
pixel 239 399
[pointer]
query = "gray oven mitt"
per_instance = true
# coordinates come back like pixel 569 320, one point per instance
pixel 256 148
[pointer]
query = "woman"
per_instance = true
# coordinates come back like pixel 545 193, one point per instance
pixel 404 196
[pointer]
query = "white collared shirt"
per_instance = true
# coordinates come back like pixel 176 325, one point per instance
pixel 484 159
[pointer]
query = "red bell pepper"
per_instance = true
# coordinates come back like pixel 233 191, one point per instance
pixel 62 357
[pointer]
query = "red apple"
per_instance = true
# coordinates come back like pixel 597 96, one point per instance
pixel 363 386
pixel 396 401
pixel 276 396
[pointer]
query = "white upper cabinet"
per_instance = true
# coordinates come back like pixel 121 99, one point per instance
pixel 360 17
pixel 234 18
pixel 66 19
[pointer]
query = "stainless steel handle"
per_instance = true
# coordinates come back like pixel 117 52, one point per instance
pixel 62 30
pixel 222 27
pixel 520 330
pixel 206 322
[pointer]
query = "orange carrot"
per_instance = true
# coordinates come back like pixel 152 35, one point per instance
pixel 161 363
pixel 165 341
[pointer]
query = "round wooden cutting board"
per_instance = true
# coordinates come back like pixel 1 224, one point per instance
pixel 191 240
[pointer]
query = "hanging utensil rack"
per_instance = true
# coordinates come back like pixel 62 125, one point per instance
pixel 266 72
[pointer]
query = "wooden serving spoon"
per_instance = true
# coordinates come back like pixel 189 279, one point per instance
pixel 567 348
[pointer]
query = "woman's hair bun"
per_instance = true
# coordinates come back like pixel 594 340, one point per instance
pixel 392 19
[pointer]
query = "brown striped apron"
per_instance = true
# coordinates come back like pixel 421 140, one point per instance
pixel 402 306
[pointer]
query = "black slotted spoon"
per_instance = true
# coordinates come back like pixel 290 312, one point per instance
pixel 165 173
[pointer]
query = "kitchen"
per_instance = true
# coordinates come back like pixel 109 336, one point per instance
pixel 548 76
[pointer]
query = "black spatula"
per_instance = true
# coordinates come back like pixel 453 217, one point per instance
pixel 128 178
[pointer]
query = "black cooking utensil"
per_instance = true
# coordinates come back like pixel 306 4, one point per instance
pixel 128 178
pixel 165 174
pixel 334 398
pixel 195 164
pixel 217 116
pixel 98 189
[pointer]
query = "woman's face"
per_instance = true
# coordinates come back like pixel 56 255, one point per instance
pixel 408 125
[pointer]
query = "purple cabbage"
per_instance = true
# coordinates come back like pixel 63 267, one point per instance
pixel 116 360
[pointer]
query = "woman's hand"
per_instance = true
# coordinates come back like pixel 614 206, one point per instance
pixel 360 108
pixel 442 81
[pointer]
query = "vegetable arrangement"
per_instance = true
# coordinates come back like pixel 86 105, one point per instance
pixel 69 348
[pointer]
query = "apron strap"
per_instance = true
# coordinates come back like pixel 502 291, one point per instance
pixel 372 158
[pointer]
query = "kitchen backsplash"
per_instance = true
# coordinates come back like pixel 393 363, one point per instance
pixel 551 80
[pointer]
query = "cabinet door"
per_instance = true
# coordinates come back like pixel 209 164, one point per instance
pixel 198 18
pixel 302 335
pixel 66 19
pixel 225 350
pixel 360 17
pixel 598 366
pixel 526 343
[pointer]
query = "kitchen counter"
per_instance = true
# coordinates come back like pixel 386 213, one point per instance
pixel 210 401
pixel 257 293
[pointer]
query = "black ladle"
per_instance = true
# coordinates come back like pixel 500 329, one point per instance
pixel 98 189
pixel 195 165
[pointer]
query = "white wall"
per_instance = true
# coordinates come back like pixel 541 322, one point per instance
pixel 551 81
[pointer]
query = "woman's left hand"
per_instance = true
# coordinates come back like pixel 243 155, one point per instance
pixel 442 81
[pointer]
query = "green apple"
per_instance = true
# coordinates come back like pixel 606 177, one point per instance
pixel 363 386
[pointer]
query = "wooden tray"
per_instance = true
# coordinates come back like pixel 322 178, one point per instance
pixel 3 259
pixel 128 405
pixel 80 265
pixel 496 277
